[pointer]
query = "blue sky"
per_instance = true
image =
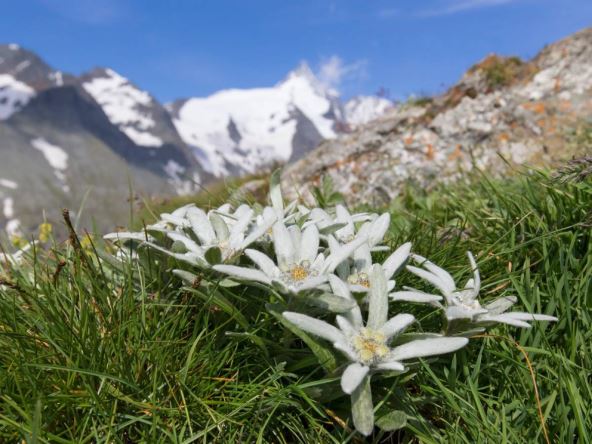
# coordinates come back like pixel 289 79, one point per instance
pixel 181 48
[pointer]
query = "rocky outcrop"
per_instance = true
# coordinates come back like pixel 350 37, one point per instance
pixel 503 112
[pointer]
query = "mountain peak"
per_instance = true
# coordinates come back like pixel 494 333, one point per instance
pixel 27 67
pixel 303 73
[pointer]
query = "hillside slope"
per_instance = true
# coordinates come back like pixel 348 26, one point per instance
pixel 503 112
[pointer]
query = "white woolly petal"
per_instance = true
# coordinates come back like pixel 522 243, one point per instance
pixel 310 244
pixel 269 219
pixel 190 244
pixel 220 227
pixel 500 305
pixel 244 219
pixel 224 208
pixel 175 220
pixel 345 325
pixel 339 287
pixel 396 260
pixel 378 229
pixel 263 262
pixel 341 253
pixel 414 296
pixel 522 316
pixel 282 243
pixel 355 288
pixel 427 347
pixel 362 258
pixel 193 258
pixel 346 349
pixel 476 276
pixel 312 282
pixel 378 299
pixel 391 365
pixel 445 278
pixel 460 312
pixel 504 319
pixel 201 226
pixel 296 235
pixel 343 216
pixel 243 273
pixel 182 211
pixel 315 326
pixel 128 235
pixel 318 263
pixel 396 324
pixel 353 376
pixel 433 279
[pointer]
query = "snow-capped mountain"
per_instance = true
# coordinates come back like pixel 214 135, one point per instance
pixel 363 109
pixel 239 131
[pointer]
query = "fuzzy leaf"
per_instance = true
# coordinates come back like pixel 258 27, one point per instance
pixel 330 302
pixel 392 421
pixel 214 256
pixel 362 409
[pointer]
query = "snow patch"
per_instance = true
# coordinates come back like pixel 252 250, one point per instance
pixel 56 157
pixel 6 183
pixel 14 47
pixel 122 103
pixel 142 138
pixel 13 95
pixel 57 77
pixel 175 171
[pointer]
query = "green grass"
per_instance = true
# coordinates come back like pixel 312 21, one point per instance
pixel 89 353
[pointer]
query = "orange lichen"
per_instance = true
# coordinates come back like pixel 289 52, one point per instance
pixel 430 154
pixel 535 107
pixel 457 153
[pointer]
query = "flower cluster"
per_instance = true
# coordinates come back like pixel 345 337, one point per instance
pixel 327 254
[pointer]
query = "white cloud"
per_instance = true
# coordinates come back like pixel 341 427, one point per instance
pixel 461 6
pixel 333 71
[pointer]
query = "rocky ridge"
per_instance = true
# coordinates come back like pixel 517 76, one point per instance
pixel 503 112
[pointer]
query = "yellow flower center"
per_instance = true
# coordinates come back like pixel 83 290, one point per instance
pixel 298 273
pixel 370 346
pixel 359 279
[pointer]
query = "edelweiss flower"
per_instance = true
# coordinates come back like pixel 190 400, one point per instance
pixel 356 274
pixel 463 304
pixel 367 346
pixel 198 232
pixel 300 266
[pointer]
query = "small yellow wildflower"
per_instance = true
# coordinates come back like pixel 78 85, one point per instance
pixel 45 231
